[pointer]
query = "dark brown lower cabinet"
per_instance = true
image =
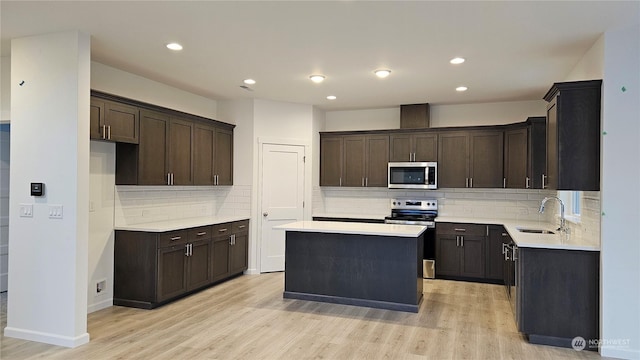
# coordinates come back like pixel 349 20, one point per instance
pixel 494 256
pixel 460 250
pixel 151 269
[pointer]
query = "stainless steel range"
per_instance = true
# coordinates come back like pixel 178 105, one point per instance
pixel 418 212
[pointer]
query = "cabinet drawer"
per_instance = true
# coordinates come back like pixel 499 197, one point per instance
pixel 200 233
pixel 240 226
pixel 461 229
pixel 172 238
pixel 222 229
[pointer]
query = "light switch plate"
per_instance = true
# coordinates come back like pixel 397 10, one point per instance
pixel 55 211
pixel 26 210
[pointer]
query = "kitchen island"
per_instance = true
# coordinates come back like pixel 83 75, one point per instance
pixel 373 265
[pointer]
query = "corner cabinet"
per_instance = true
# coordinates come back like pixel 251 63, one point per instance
pixel 151 269
pixel 159 146
pixel 354 160
pixel 573 136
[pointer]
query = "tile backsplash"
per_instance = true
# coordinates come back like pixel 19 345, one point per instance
pixel 142 204
pixel 513 204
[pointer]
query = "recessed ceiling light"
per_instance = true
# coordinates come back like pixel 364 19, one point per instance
pixel 249 81
pixel 456 60
pixel 174 46
pixel 461 88
pixel 382 73
pixel 331 97
pixel 317 78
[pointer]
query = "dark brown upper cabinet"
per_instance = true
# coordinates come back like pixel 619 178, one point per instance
pixel 212 155
pixel 419 146
pixel 536 149
pixel 223 157
pixel 153 151
pixel 180 151
pixel 354 160
pixel 515 157
pixel 112 121
pixel 415 116
pixel 573 136
pixel 471 159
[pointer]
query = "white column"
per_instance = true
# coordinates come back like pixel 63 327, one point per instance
pixel 50 87
pixel 620 272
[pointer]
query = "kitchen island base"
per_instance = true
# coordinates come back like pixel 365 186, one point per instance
pixel 364 270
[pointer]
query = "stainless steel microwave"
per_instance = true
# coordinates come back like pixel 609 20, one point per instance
pixel 413 175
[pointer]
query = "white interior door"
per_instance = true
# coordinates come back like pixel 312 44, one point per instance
pixel 281 200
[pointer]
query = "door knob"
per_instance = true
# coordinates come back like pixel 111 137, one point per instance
pixel 265 214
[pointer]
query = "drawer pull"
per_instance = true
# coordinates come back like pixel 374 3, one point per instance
pixel 242 226
pixel 176 238
pixel 504 234
pixel 201 233
pixel 222 230
pixel 460 229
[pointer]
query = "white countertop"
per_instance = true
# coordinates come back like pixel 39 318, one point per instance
pixel 338 227
pixel 351 216
pixel 529 240
pixel 171 225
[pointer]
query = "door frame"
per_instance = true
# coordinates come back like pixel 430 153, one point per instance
pixel 306 186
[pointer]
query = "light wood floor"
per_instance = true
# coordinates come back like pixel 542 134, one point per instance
pixel 247 318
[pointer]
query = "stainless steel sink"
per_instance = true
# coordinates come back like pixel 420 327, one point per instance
pixel 536 231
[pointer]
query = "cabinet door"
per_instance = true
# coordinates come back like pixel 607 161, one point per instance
pixel 426 147
pixel 537 155
pixel 377 161
pixel 122 122
pixel 473 255
pixel 494 256
pixel 400 148
pixel 96 119
pixel 238 253
pixel 453 161
pixel 152 151
pixel 199 264
pixel 223 157
pixel 220 258
pixel 515 158
pixel 551 175
pixel 331 160
pixel 354 161
pixel 181 151
pixel 203 151
pixel 447 255
pixel 172 272
pixel 486 161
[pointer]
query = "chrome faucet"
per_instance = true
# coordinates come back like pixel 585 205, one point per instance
pixel 562 227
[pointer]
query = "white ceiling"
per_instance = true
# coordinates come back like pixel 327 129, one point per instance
pixel 514 50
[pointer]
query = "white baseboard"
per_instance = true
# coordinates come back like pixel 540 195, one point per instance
pixel 252 272
pixel 47 338
pixel 103 304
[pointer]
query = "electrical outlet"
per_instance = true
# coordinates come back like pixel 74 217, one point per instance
pixel 101 287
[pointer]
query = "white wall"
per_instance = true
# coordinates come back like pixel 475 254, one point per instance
pixel 620 272
pixel 122 83
pixel 4 204
pixel 440 115
pixel 47 296
pixel 5 88
pixel 591 65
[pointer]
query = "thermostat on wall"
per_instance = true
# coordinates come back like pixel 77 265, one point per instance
pixel 37 189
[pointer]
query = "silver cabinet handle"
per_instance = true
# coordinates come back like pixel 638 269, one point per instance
pixel 222 230
pixel 487 230
pixel 543 181
pixel 242 226
pixel 186 250
pixel 104 132
pixel 109 132
pixel 341 181
pixel 466 182
pixel 265 214
pixel 457 240
pixel 172 179
pixel 470 182
pixel 168 179
pixel 504 234
pixel 459 229
pixel 362 182
pixel 176 238
pixel 527 183
pixel 201 233
pixel 366 182
pixel 462 241
pixel 504 183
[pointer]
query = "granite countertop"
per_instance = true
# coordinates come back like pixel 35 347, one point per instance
pixel 529 240
pixel 172 225
pixel 338 227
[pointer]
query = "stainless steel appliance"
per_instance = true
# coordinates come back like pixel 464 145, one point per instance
pixel 413 175
pixel 510 252
pixel 418 212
